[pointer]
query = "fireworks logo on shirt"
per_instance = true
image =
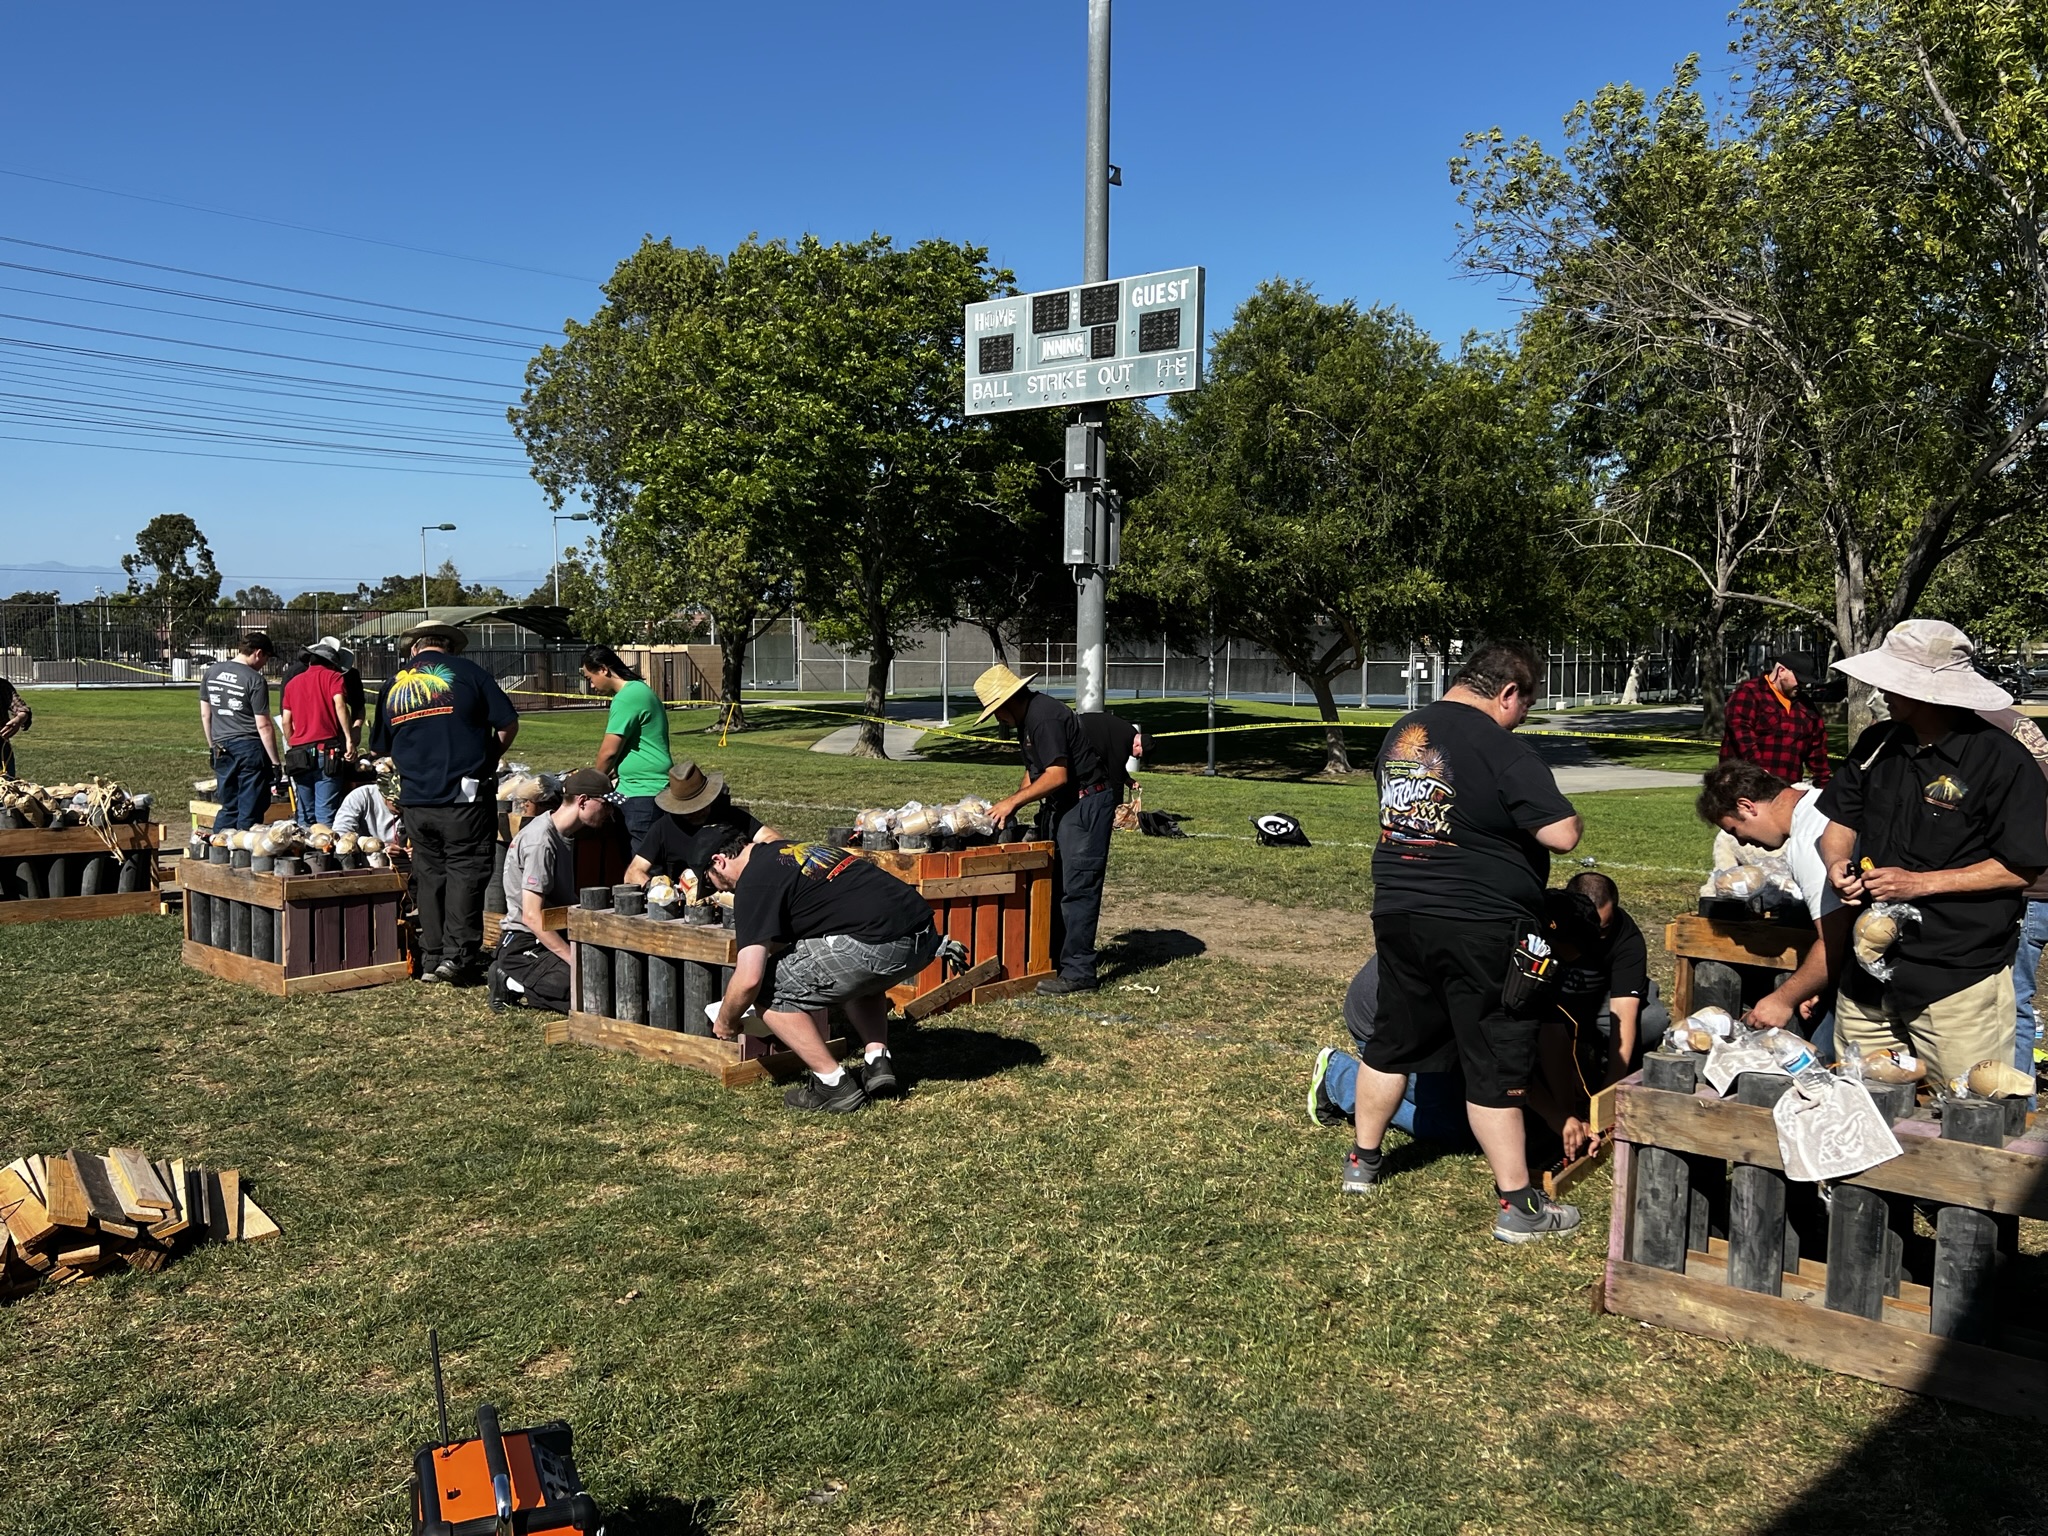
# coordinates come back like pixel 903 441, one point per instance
pixel 1944 792
pixel 817 861
pixel 1416 793
pixel 420 692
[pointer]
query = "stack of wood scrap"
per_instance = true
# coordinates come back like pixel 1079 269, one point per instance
pixel 72 1215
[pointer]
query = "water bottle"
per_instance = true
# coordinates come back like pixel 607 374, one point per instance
pixel 1795 1055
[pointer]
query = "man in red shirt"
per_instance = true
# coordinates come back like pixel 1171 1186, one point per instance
pixel 320 733
pixel 1768 723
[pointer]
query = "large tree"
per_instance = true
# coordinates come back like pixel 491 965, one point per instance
pixel 1339 479
pixel 172 571
pixel 1876 278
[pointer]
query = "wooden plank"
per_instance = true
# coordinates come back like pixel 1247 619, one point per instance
pixel 97 1180
pixel 64 1195
pixel 987 943
pixel 222 880
pixel 127 837
pixel 133 1211
pixel 35 1168
pixel 349 980
pixel 999 857
pixel 1600 1111
pixel 255 1223
pixel 672 939
pixel 27 1218
pixel 214 1209
pixel 1951 1172
pixel 385 948
pixel 1777 946
pixel 1015 986
pixel 355 934
pixel 327 955
pixel 136 1182
pixel 240 969
pixel 1016 929
pixel 947 993
pixel 79 1257
pixel 71 908
pixel 967 886
pixel 180 1219
pixel 297 959
pixel 342 882
pixel 1039 956
pixel 231 1202
pixel 1558 1181
pixel 1896 1357
pixel 720 1058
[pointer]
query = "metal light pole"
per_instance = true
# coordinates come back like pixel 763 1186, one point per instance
pixel 1091 646
pixel 425 529
pixel 1210 771
pixel 555 525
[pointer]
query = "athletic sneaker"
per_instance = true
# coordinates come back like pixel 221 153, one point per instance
pixel 843 1098
pixel 442 973
pixel 1513 1225
pixel 1359 1176
pixel 878 1076
pixel 1320 1109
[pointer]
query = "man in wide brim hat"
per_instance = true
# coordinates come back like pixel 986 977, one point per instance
pixel 1944 812
pixel 439 632
pixel 690 790
pixel 1063 770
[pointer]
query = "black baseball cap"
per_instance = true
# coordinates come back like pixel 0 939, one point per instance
pixel 1798 663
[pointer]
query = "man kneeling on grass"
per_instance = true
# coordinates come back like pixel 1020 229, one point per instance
pixel 819 927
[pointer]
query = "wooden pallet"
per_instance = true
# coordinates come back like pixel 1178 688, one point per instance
pixel 1689 938
pixel 1845 1284
pixel 998 902
pixel 295 934
pixel 138 841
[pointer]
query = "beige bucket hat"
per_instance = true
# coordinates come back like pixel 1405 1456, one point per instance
pixel 1928 660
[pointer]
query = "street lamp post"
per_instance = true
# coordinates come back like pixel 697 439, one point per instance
pixel 556 527
pixel 425 529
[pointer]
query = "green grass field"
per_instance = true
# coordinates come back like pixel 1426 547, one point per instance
pixel 1092 1275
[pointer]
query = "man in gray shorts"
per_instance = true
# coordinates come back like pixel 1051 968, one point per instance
pixel 816 927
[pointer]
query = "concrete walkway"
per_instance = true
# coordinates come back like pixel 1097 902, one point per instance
pixel 899 741
pixel 1590 778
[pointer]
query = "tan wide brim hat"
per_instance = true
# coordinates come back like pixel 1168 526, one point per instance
pixel 690 789
pixel 451 639
pixel 1928 660
pixel 997 684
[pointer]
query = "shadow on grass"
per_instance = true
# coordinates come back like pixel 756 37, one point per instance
pixel 1144 949
pixel 948 1054
pixel 657 1514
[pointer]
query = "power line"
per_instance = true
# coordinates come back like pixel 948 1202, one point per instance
pixel 310 229
pixel 59 372
pixel 250 282
pixel 355 427
pixel 281 309
pixel 247 373
pixel 215 346
pixel 246 458
pixel 57 421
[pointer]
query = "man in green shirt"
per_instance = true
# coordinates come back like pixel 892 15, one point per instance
pixel 635 746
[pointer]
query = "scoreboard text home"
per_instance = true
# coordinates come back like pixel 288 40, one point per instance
pixel 1096 341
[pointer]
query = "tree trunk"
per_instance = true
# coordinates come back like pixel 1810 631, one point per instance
pixel 733 640
pixel 1713 675
pixel 1631 690
pixel 872 743
pixel 1336 757
pixel 995 641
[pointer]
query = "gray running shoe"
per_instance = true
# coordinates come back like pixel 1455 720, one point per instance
pixel 1550 1218
pixel 878 1076
pixel 1320 1109
pixel 1360 1177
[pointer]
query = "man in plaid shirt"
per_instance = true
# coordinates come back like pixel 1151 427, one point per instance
pixel 1769 724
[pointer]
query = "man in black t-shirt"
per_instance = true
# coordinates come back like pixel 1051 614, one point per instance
pixel 700 819
pixel 1604 990
pixel 1468 820
pixel 1063 771
pixel 817 926
pixel 445 722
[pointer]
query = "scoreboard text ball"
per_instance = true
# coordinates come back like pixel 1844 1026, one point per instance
pixel 1095 341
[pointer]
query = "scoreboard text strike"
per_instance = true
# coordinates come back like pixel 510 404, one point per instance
pixel 1097 341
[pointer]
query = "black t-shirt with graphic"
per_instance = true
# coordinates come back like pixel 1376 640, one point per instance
pixel 438 719
pixel 670 847
pixel 1460 800
pixel 792 891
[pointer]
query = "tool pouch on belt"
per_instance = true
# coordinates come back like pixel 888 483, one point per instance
pixel 1531 967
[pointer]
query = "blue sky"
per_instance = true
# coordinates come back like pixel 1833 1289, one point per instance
pixel 1304 140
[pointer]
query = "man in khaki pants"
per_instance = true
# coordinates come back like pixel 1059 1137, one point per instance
pixel 1939 808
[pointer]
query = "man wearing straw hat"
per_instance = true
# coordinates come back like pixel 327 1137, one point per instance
pixel 445 722
pixel 1063 771
pixel 1939 808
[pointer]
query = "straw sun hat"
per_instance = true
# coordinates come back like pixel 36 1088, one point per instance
pixel 995 685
